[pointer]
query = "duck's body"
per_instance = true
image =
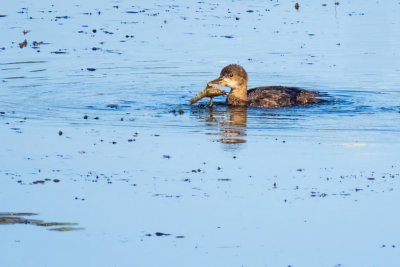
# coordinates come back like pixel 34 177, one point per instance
pixel 235 77
pixel 275 96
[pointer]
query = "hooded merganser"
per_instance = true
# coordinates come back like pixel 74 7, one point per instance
pixel 235 77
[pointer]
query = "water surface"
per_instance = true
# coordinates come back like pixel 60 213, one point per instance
pixel 97 135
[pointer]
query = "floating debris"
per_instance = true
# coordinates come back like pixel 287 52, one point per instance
pixel 63 17
pixel 297 6
pixel 161 234
pixel 59 52
pixel 135 12
pixel 91 69
pixel 36 43
pixel 23 44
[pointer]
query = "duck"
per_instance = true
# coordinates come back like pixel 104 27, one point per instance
pixel 235 77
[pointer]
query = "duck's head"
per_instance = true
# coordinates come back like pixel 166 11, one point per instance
pixel 233 76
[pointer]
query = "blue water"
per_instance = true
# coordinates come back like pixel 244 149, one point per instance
pixel 302 186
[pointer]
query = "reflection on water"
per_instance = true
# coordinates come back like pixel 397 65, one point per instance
pixel 231 122
pixel 17 218
pixel 235 126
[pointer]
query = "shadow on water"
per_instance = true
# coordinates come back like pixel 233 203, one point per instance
pixel 21 218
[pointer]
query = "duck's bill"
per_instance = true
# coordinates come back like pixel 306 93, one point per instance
pixel 219 81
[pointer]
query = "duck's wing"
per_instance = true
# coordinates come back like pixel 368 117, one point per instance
pixel 281 96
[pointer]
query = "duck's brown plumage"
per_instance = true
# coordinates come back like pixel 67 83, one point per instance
pixel 281 96
pixel 235 77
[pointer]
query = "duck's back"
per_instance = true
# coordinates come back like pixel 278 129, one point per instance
pixel 280 96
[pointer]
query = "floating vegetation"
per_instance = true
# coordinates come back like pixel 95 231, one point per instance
pixel 66 229
pixel 24 62
pixel 7 218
